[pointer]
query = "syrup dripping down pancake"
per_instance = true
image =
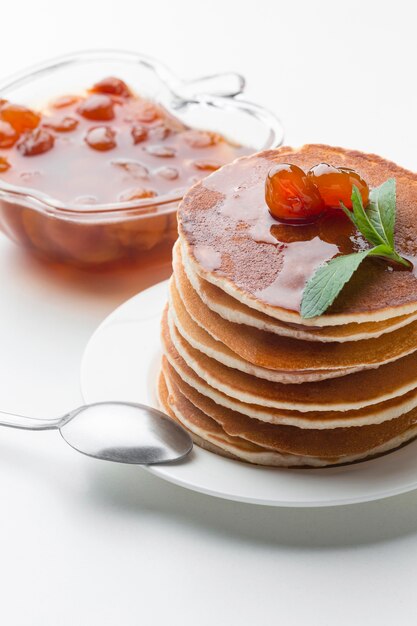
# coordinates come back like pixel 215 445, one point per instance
pixel 231 240
pixel 207 433
pixel 274 352
pixel 351 392
pixel 237 313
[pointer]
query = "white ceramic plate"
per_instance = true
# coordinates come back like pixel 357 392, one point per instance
pixel 121 363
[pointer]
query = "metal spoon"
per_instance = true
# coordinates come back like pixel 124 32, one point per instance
pixel 115 431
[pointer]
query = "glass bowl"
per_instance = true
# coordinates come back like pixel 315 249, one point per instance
pixel 105 235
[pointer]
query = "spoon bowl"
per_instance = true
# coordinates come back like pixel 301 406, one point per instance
pixel 123 432
pixel 126 433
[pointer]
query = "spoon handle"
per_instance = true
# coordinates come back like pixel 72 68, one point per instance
pixel 28 423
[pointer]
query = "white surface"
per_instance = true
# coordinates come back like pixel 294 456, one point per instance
pixel 89 543
pixel 114 369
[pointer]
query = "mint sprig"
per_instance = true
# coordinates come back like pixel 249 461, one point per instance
pixel 377 225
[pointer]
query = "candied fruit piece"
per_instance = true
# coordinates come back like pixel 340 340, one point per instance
pixel 36 142
pixel 101 138
pixel 8 135
pixel 159 133
pixel 291 196
pixel 200 138
pixel 169 173
pixel 160 151
pixel 146 112
pixel 113 86
pixel 19 116
pixel 98 107
pixel 139 133
pixel 136 193
pixel 64 101
pixel 206 166
pixel 335 184
pixel 61 124
pixel 4 164
pixel 132 167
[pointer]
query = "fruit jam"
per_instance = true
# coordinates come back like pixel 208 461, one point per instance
pixel 105 147
pixel 299 197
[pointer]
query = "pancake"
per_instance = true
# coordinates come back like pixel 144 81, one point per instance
pixel 371 414
pixel 274 352
pixel 334 442
pixel 198 338
pixel 207 432
pixel 234 311
pixel 350 392
pixel 242 371
pixel 163 401
pixel 230 240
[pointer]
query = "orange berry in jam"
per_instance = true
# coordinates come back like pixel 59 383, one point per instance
pixel 291 196
pixel 97 107
pixel 146 112
pixel 20 117
pixel 335 184
pixel 64 101
pixel 4 164
pixel 37 142
pixel 200 138
pixel 139 133
pixel 137 193
pixel 61 124
pixel 206 166
pixel 8 135
pixel 101 138
pixel 113 86
pixel 159 150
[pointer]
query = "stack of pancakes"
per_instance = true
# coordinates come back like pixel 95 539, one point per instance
pixel 242 370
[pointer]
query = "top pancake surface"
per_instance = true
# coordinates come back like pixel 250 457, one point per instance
pixel 233 241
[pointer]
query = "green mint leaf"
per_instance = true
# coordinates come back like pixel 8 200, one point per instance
pixel 386 252
pixel 362 221
pixel 376 224
pixel 327 282
pixel 381 210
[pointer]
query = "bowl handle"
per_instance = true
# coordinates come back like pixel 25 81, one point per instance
pixel 227 84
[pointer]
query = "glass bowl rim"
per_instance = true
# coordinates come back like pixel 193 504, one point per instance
pixel 163 203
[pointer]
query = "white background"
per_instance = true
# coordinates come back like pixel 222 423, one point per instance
pixel 85 543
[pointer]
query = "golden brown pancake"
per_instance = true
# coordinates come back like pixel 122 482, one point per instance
pixel 163 399
pixel 333 442
pixel 230 240
pixel 316 419
pixel 207 433
pixel 234 311
pixel 200 339
pixel 371 414
pixel 350 392
pixel 242 371
pixel 275 352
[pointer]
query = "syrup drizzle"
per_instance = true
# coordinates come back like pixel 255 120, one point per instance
pixel 301 248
